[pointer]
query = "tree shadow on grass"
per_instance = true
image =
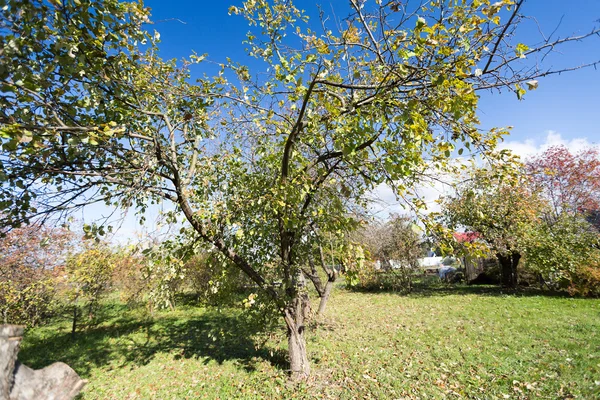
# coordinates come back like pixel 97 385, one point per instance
pixel 130 341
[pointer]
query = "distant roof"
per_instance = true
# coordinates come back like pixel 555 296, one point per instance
pixel 462 237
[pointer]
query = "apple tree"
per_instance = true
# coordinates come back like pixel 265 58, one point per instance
pixel 252 160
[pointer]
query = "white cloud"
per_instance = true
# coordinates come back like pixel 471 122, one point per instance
pixel 531 147
pixel 384 202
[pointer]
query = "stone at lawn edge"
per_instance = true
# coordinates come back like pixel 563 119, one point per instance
pixel 19 382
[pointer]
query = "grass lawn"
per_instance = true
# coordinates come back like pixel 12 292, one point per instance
pixel 437 343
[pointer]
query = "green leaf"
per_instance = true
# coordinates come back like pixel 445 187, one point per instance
pixel 521 49
pixel 520 91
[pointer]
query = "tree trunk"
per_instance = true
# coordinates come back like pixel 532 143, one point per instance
pixel 74 325
pixel 505 269
pixel 331 278
pixel 314 278
pixel 515 261
pixel 508 267
pixel 325 297
pixel 295 316
pixel 324 291
pixel 91 309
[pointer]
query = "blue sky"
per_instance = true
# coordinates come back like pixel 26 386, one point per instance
pixel 565 109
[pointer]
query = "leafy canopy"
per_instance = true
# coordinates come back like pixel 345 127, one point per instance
pixel 498 207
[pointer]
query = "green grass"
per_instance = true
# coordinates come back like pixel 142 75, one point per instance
pixel 436 343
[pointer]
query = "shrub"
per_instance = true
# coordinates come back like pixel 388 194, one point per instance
pixel 89 276
pixel 586 280
pixel 564 252
pixel 370 279
pixel 213 279
pixel 128 276
pixel 29 301
pixel 30 264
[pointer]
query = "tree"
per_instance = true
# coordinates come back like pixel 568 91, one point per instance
pixel 30 260
pixel 312 273
pixel 562 250
pixel 397 245
pixel 89 275
pixel 398 239
pixel 90 113
pixel 500 210
pixel 570 182
pixel 563 247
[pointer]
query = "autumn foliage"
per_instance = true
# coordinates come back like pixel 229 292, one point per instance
pixel 570 182
pixel 31 263
pixel 564 248
pixel 499 211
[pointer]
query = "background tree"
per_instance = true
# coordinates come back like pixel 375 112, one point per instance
pixel 90 113
pixel 563 247
pixel 398 240
pixel 89 276
pixel 397 245
pixel 329 268
pixel 129 278
pixel 570 182
pixel 500 209
pixel 31 262
pixel 562 251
